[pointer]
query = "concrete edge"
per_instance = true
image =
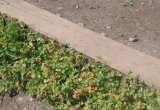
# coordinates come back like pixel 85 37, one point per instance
pixel 94 45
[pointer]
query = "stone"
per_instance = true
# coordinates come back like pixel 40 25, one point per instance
pixel 58 14
pixel 133 39
pixel 92 7
pixel 142 3
pixel 104 34
pixel 31 99
pixel 77 7
pixel 81 24
pixel 60 8
pixel 108 27
pixel 120 34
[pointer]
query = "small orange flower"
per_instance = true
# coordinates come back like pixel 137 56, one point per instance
pixel 74 81
pixel 53 77
pixel 86 104
pixel 96 88
pixel 111 97
pixel 150 94
pixel 138 107
pixel 45 76
pixel 74 96
pixel 61 66
pixel 135 97
pixel 85 89
pixel 124 103
pixel 17 84
pixel 69 58
pixel 32 65
pixel 79 91
pixel 62 90
pixel 109 104
pixel 55 60
pixel 123 98
pixel 53 90
pixel 29 72
pixel 14 65
pixel 51 51
pixel 90 83
pixel 143 104
pixel 90 90
pixel 59 52
pixel 77 57
pixel 103 109
pixel 2 76
pixel 91 76
pixel 21 61
pixel 84 73
pixel 43 87
pixel 99 97
pixel 60 96
pixel 70 108
pixel 130 82
pixel 78 105
pixel 33 76
pixel 117 97
pixel 48 47
pixel 42 64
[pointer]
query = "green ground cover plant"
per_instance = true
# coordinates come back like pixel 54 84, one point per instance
pixel 128 2
pixel 48 70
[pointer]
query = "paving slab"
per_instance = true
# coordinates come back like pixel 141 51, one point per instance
pixel 92 44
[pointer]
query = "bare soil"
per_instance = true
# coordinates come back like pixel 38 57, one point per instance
pixel 21 101
pixel 113 19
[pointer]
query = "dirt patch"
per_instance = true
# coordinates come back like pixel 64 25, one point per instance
pixel 137 26
pixel 21 102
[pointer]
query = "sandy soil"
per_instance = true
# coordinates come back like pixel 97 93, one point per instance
pixel 113 19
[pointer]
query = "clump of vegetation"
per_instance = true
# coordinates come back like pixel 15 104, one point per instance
pixel 46 69
pixel 128 2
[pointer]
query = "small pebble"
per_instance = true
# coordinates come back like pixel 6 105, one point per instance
pixel 81 24
pixel 120 34
pixel 108 27
pixel 77 7
pixel 133 39
pixel 58 14
pixel 60 8
pixel 31 99
pixel 104 34
pixel 142 3
pixel 92 7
